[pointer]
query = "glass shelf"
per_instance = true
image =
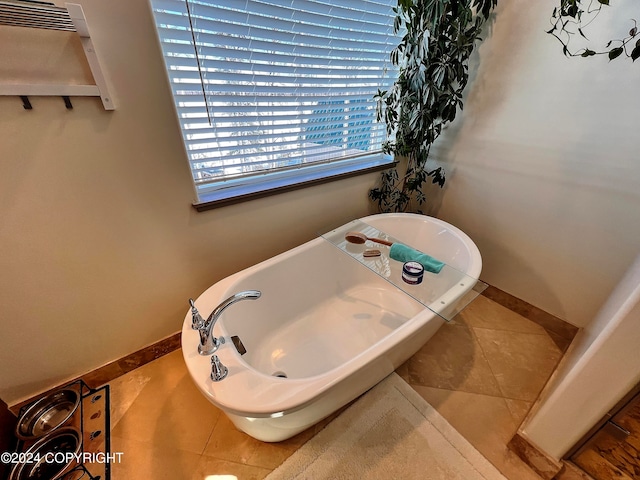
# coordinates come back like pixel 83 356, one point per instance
pixel 445 293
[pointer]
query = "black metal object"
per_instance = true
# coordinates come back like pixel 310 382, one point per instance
pixel 26 103
pixel 94 423
pixel 238 344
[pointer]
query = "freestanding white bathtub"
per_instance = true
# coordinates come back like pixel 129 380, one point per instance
pixel 324 331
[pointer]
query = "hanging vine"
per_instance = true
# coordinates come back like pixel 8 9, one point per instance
pixel 573 17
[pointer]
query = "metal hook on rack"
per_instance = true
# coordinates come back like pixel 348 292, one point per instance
pixel 26 103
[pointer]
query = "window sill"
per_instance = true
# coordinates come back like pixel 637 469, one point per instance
pixel 243 191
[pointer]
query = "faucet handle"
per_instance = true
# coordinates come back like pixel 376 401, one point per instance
pixel 218 370
pixel 197 322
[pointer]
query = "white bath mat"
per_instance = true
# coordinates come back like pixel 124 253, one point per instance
pixel 390 432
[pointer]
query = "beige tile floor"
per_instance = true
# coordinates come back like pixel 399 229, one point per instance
pixel 482 372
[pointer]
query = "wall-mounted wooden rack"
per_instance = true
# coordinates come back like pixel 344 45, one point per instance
pixel 37 14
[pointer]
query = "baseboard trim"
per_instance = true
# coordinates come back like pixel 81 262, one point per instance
pixel 561 332
pixel 115 369
pixel 546 467
pixel 536 459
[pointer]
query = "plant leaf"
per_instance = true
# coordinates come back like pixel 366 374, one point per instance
pixel 635 53
pixel 604 2
pixel 615 53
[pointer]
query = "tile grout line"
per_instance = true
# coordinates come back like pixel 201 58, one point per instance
pixel 551 372
pixel 484 354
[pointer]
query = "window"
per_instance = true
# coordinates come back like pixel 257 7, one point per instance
pixel 271 93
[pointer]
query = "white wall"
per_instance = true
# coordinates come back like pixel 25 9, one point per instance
pixel 543 170
pixel 100 249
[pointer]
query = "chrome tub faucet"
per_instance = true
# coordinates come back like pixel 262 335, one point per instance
pixel 209 343
pixel 218 370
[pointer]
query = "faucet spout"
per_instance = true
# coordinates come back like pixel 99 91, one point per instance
pixel 209 343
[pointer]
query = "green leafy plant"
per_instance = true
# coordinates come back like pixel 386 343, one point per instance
pixel 572 17
pixel 438 39
pixel 433 55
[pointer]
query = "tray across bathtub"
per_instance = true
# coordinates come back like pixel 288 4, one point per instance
pixel 445 293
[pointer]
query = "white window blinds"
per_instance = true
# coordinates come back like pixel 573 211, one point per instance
pixel 288 83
